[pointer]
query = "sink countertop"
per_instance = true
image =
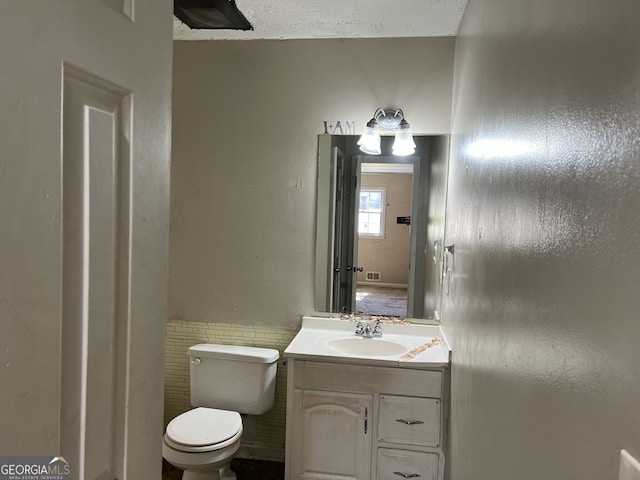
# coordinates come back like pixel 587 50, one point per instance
pixel 311 343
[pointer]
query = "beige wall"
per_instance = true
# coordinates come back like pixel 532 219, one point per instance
pixel 246 119
pixel 388 255
pixel 543 310
pixel 246 116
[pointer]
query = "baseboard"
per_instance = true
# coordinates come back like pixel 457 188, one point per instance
pixel 385 285
pixel 257 451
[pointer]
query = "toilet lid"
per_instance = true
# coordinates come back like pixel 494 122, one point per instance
pixel 204 426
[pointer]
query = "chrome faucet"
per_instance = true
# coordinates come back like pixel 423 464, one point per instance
pixel 368 329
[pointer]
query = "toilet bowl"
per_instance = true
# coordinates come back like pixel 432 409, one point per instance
pixel 202 442
pixel 223 378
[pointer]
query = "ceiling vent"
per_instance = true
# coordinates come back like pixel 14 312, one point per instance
pixel 211 14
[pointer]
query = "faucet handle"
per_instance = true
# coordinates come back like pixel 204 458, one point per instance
pixel 359 328
pixel 377 329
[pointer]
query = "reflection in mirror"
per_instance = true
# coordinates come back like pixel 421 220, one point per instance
pixel 383 236
pixel 380 228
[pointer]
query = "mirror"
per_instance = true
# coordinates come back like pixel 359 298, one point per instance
pixel 380 228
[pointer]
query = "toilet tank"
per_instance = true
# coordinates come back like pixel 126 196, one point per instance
pixel 233 377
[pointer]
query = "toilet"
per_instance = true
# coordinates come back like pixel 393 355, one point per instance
pixel 226 381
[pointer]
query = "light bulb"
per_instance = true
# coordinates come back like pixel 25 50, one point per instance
pixel 403 144
pixel 370 140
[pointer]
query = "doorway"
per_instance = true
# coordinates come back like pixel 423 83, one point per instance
pixel 383 237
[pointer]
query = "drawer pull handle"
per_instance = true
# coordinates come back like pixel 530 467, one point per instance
pixel 366 419
pixel 406 475
pixel 409 422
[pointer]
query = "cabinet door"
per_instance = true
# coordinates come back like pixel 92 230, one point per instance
pixel 331 436
pixel 409 420
pixel 398 464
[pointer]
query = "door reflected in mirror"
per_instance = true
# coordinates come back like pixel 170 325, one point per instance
pixel 379 222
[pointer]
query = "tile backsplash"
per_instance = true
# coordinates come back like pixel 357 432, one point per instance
pixel 270 427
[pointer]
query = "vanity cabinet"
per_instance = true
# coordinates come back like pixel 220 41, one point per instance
pixel 364 422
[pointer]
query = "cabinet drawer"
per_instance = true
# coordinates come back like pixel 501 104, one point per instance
pixel 398 464
pixel 409 420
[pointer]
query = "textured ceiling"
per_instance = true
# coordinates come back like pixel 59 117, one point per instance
pixel 288 19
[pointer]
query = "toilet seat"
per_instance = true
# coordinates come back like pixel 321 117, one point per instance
pixel 204 430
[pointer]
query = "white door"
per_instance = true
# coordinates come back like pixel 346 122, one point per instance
pixel 336 224
pixel 84 177
pixel 354 267
pixel 347 255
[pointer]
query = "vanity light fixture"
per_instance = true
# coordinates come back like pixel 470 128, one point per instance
pixel 392 119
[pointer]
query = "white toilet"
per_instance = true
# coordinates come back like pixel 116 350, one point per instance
pixel 226 380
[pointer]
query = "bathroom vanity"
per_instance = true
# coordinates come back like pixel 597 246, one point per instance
pixel 366 408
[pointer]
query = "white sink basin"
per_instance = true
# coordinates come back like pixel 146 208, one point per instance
pixel 329 339
pixel 376 347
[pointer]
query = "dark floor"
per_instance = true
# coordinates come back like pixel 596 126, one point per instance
pixel 245 470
